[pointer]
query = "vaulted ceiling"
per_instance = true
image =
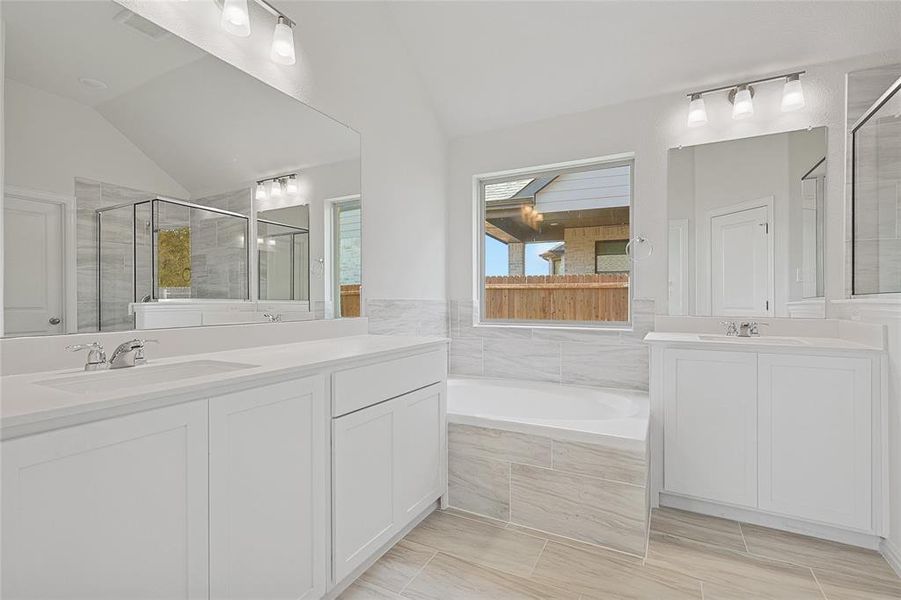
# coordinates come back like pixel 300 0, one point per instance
pixel 492 64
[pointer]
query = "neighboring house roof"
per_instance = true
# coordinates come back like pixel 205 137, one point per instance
pixel 505 190
pixel 535 186
pixel 554 253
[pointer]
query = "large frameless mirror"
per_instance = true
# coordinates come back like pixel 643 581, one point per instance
pixel 746 226
pixel 149 184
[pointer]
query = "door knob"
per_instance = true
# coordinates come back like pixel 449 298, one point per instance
pixel 54 320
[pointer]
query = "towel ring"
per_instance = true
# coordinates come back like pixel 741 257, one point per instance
pixel 638 242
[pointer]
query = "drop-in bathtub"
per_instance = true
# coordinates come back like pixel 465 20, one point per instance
pixel 566 460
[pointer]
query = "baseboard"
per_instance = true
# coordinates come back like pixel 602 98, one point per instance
pixel 345 583
pixel 892 555
pixel 745 515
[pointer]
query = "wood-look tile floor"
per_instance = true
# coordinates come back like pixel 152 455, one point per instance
pixel 456 556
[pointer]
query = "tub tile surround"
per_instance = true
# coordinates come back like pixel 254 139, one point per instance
pixel 457 555
pixel 407 317
pixel 586 492
pixel 601 358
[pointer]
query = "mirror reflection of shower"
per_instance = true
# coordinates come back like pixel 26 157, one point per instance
pixel 166 249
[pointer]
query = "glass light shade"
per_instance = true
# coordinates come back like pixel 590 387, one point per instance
pixel 743 106
pixel 235 18
pixel 276 191
pixel 792 94
pixel 283 43
pixel 291 187
pixel 261 192
pixel 697 112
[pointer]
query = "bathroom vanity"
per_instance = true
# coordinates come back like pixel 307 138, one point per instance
pixel 786 432
pixel 270 472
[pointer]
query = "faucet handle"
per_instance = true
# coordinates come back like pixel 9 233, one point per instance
pixel 96 355
pixel 139 351
pixel 731 328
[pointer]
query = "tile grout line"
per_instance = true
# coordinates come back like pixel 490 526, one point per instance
pixel 819 586
pixel 418 572
pixel 537 560
pixel 743 539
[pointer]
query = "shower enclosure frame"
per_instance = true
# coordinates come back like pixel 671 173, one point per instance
pixel 153 253
pixel 296 231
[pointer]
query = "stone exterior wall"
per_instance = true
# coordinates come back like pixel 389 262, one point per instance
pixel 580 249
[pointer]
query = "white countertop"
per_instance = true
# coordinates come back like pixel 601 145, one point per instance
pixel 28 405
pixel 760 343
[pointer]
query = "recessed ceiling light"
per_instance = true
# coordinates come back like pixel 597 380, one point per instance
pixel 91 84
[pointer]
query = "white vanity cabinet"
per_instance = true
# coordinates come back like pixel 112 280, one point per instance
pixel 388 462
pixel 711 425
pixel 113 509
pixel 792 436
pixel 268 511
pixel 815 429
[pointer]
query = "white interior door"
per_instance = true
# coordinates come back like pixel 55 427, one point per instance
pixel 33 267
pixel 741 263
pixel 678 267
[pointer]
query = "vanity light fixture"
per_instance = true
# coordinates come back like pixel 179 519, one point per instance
pixel 792 93
pixel 741 96
pixel 742 102
pixel 291 186
pixel 283 42
pixel 276 189
pixel 260 194
pixel 235 17
pixel 236 21
pixel 697 112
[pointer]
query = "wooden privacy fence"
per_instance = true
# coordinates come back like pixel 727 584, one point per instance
pixel 350 300
pixel 601 297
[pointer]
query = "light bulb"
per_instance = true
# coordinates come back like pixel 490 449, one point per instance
pixel 792 94
pixel 261 191
pixel 742 105
pixel 276 191
pixel 292 185
pixel 697 112
pixel 282 43
pixel 235 18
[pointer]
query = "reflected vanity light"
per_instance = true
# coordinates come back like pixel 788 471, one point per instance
pixel 277 188
pixel 741 96
pixel 236 21
pixel 291 186
pixel 260 194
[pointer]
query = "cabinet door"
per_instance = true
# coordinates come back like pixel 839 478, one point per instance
pixel 112 509
pixel 420 440
pixel 815 438
pixel 710 428
pixel 268 457
pixel 363 484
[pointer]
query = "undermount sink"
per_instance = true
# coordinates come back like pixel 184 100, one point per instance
pixel 117 379
pixel 775 341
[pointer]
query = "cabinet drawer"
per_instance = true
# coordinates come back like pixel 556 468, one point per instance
pixel 358 388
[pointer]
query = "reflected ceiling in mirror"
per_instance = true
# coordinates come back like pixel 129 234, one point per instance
pixel 746 226
pixel 131 181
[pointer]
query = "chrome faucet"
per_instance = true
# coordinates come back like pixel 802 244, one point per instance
pixel 129 354
pixel 749 329
pixel 731 329
pixel 273 318
pixel 96 355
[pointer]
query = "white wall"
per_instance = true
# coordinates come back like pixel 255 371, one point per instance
pixel 51 140
pixel 352 66
pixel 648 128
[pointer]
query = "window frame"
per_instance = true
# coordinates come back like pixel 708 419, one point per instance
pixel 479 182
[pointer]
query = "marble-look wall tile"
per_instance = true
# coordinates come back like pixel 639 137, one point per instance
pixel 613 366
pixel 593 357
pixel 407 317
pixel 479 485
pixel 497 444
pixel 600 461
pixel 510 359
pixel 597 511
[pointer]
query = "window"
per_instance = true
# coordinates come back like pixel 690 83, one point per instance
pixel 554 245
pixel 345 259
